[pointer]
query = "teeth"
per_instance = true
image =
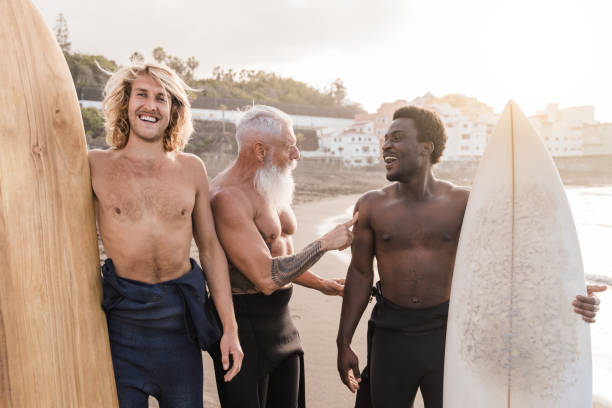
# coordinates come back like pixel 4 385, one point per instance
pixel 148 118
pixel 390 159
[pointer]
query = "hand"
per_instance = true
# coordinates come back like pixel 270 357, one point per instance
pixel 230 345
pixel 332 287
pixel 587 306
pixel 348 368
pixel 340 237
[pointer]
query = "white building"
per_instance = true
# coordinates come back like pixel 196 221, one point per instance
pixel 466 137
pixel 355 145
pixel 597 140
pixel 562 129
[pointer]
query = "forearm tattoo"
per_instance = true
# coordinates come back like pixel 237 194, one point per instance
pixel 286 268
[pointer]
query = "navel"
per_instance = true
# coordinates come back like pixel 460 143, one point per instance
pixel 183 212
pixel 117 211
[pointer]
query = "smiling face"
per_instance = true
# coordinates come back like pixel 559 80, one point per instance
pixel 402 152
pixel 148 109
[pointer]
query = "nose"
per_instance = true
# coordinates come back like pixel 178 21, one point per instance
pixel 386 144
pixel 295 153
pixel 150 104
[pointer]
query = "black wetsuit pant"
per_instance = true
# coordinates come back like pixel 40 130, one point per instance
pixel 401 362
pixel 272 374
pixel 405 353
pixel 277 389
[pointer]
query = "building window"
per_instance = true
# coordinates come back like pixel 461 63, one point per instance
pixel 365 148
pixel 465 136
pixel 356 149
pixel 465 148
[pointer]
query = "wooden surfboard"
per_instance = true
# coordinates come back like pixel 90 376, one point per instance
pixel 54 349
pixel 513 339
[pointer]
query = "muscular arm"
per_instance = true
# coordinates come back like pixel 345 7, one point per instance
pixel 309 279
pixel 214 263
pixel 285 269
pixel 249 253
pixel 356 295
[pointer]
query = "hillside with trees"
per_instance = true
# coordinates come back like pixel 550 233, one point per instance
pixel 223 84
pixel 223 89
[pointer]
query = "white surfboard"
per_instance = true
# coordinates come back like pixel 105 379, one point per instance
pixel 513 339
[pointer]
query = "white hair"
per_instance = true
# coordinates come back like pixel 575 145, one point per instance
pixel 275 185
pixel 260 119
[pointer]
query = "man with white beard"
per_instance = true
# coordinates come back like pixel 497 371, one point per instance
pixel 251 202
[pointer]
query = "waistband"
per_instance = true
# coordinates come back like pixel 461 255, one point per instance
pixel 389 315
pixel 260 303
pixel 191 287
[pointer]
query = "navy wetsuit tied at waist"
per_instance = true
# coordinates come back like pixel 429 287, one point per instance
pixel 148 300
pixel 156 334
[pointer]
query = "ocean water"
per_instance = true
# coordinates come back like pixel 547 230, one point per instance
pixel 592 211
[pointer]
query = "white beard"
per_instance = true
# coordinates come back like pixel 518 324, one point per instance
pixel 275 185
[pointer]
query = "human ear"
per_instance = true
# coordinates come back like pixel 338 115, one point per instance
pixel 427 148
pixel 260 151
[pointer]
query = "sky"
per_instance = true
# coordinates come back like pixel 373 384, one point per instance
pixel 532 51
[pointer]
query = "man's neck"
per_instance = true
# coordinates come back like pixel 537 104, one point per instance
pixel 140 150
pixel 245 167
pixel 420 186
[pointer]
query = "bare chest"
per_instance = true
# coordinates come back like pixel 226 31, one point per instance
pixel 275 227
pixel 135 197
pixel 425 226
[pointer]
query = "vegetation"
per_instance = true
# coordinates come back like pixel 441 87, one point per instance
pixel 251 85
pixel 225 86
pixel 93 122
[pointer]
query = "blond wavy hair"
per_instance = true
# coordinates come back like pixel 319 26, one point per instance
pixel 117 96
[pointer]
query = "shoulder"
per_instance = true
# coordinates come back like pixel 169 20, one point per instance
pixel 376 196
pixel 453 192
pixel 99 158
pixel 373 198
pixel 97 155
pixel 190 161
pixel 229 199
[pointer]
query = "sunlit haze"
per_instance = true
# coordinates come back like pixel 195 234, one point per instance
pixel 535 52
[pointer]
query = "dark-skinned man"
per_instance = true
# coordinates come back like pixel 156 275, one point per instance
pixel 412 227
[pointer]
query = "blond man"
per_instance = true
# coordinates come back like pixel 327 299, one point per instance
pixel 150 200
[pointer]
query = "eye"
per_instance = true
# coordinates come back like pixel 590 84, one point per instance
pixel 161 98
